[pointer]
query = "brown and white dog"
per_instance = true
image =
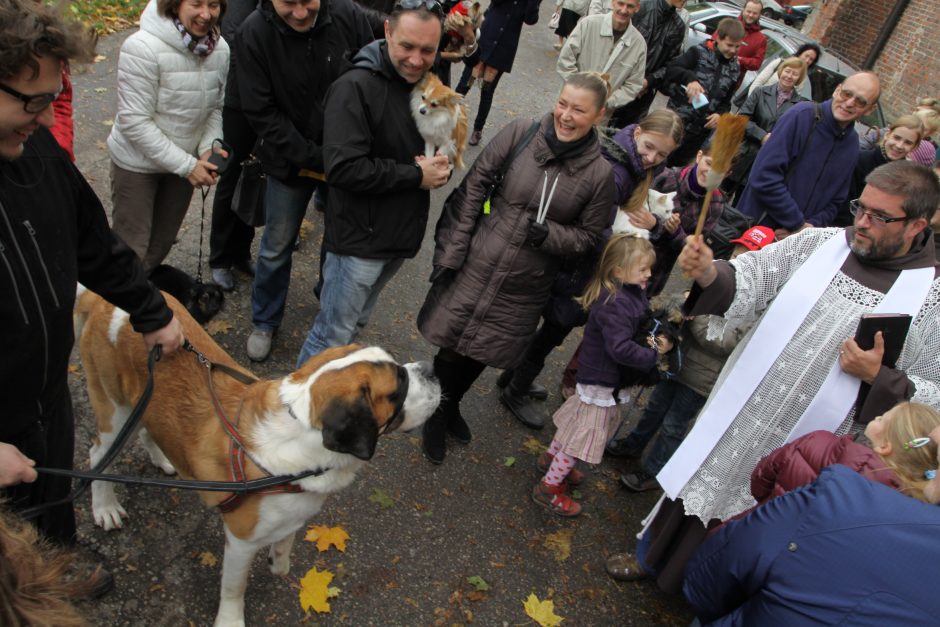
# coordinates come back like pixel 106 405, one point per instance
pixel 326 415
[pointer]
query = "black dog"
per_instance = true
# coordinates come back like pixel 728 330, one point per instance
pixel 203 300
pixel 664 319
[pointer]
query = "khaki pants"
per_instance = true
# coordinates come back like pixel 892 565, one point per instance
pixel 148 210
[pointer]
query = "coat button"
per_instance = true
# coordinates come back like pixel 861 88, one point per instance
pixel 792 547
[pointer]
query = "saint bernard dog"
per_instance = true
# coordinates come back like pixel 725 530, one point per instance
pixel 327 415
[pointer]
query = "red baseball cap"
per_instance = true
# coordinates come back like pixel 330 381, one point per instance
pixel 756 237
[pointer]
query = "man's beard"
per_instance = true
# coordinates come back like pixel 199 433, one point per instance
pixel 877 251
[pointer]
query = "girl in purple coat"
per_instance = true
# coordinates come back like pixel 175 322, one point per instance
pixel 616 300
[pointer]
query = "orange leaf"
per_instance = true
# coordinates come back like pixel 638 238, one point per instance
pixel 315 591
pixel 325 536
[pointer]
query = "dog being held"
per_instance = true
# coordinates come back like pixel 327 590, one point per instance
pixel 462 15
pixel 441 118
pixel 327 415
pixel 202 300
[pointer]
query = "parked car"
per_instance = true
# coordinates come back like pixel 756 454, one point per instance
pixel 790 14
pixel 782 41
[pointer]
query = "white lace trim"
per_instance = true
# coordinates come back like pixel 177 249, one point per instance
pixel 600 395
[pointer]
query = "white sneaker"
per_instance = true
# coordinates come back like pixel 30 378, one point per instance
pixel 259 344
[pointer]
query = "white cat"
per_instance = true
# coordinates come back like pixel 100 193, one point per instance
pixel 658 203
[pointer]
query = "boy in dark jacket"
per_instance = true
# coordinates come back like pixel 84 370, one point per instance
pixel 701 84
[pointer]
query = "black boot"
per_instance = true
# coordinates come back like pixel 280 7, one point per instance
pixel 514 395
pixel 455 377
pixel 432 443
pixel 535 391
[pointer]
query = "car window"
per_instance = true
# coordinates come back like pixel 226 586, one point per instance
pixel 774 49
pixel 823 83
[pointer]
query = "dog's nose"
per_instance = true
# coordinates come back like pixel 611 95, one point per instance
pixel 423 110
pixel 427 369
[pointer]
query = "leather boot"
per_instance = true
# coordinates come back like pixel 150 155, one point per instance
pixel 535 391
pixel 433 433
pixel 515 399
pixel 455 380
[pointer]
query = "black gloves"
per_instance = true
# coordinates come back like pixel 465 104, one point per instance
pixel 440 272
pixel 536 234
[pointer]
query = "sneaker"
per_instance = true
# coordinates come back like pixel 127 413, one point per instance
pixel 245 266
pixel 259 344
pixel 223 278
pixel 639 481
pixel 554 499
pixel 475 138
pixel 574 478
pixel 620 448
pixel 624 567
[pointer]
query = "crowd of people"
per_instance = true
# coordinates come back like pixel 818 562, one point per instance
pixel 767 369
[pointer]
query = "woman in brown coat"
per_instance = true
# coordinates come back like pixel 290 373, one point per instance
pixel 493 269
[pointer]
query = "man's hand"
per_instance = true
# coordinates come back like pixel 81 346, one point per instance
pixel 642 219
pixel 696 260
pixel 169 337
pixel 14 466
pixel 693 90
pixel 861 363
pixel 204 173
pixel 712 120
pixel 435 171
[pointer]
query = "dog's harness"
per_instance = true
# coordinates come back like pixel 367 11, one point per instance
pixel 239 486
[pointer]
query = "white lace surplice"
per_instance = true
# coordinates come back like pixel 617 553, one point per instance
pixel 721 486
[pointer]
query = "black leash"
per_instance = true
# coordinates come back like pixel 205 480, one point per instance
pixel 130 427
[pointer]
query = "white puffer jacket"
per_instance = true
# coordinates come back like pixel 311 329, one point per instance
pixel 169 99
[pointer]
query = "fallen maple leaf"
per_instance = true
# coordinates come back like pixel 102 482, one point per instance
pixel 382 498
pixel 214 327
pixel 314 591
pixel 509 461
pixel 542 612
pixel 559 543
pixel 533 446
pixel 325 536
pixel 477 582
pixel 206 558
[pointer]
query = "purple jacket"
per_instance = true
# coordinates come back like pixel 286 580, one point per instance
pixel 820 179
pixel 627 166
pixel 608 338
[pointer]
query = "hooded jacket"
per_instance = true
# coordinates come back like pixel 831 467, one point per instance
pixel 284 76
pixel 53 234
pixel 377 208
pixel 664 31
pixel 791 185
pixel 169 99
pixel 716 73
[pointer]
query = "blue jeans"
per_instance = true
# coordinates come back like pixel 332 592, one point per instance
pixel 351 285
pixel 285 207
pixel 670 408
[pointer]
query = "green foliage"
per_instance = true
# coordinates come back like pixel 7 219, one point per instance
pixel 108 16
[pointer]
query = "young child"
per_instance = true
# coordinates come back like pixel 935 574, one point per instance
pixel 701 82
pixel 616 300
pixel 902 455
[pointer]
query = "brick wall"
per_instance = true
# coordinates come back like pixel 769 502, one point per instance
pixel 909 64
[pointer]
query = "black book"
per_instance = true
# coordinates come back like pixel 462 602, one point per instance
pixel 894 329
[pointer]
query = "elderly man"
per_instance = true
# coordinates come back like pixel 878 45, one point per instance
pixel 379 182
pixel 800 368
pixel 802 174
pixel 609 44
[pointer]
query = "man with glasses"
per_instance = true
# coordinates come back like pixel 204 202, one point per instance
pixel 53 233
pixel 800 370
pixel 801 175
pixel 379 180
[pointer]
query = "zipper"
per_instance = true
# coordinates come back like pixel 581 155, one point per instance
pixel 42 263
pixel 16 288
pixel 32 285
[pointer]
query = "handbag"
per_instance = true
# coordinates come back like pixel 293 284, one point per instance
pixel 553 20
pixel 730 226
pixel 248 198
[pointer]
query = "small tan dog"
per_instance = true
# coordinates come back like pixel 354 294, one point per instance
pixel 441 118
pixel 462 16
pixel 327 415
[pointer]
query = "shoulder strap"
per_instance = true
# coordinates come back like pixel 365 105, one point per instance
pixel 817 115
pixel 517 150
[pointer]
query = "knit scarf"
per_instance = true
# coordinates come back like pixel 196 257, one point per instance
pixel 565 150
pixel 200 46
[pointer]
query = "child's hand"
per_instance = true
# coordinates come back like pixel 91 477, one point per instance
pixel 661 343
pixel 671 223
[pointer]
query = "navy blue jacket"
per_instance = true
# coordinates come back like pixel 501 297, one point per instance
pixel 502 26
pixel 820 179
pixel 843 550
pixel 608 338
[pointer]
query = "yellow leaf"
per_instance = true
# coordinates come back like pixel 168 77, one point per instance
pixel 533 446
pixel 325 536
pixel 314 591
pixel 214 327
pixel 542 612
pixel 206 558
pixel 559 543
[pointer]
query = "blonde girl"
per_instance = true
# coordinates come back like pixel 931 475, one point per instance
pixel 616 300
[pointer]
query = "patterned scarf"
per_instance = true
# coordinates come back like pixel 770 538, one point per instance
pixel 201 46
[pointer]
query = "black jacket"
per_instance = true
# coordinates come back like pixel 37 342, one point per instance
pixel 236 12
pixel 283 77
pixel 53 234
pixel 377 209
pixel 664 31
pixel 716 73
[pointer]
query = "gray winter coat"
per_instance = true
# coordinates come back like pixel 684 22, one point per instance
pixel 489 308
pixel 703 359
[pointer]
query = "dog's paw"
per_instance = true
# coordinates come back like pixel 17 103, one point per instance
pixel 109 517
pixel 165 466
pixel 279 561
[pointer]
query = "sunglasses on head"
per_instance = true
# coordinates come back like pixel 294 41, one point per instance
pixel 433 6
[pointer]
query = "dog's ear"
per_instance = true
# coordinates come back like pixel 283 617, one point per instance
pixel 349 427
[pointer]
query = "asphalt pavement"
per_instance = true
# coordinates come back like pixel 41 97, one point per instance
pixel 417 531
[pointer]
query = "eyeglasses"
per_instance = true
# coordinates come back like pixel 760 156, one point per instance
pixel 858 210
pixel 916 443
pixel 412 5
pixel 31 104
pixel 848 94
